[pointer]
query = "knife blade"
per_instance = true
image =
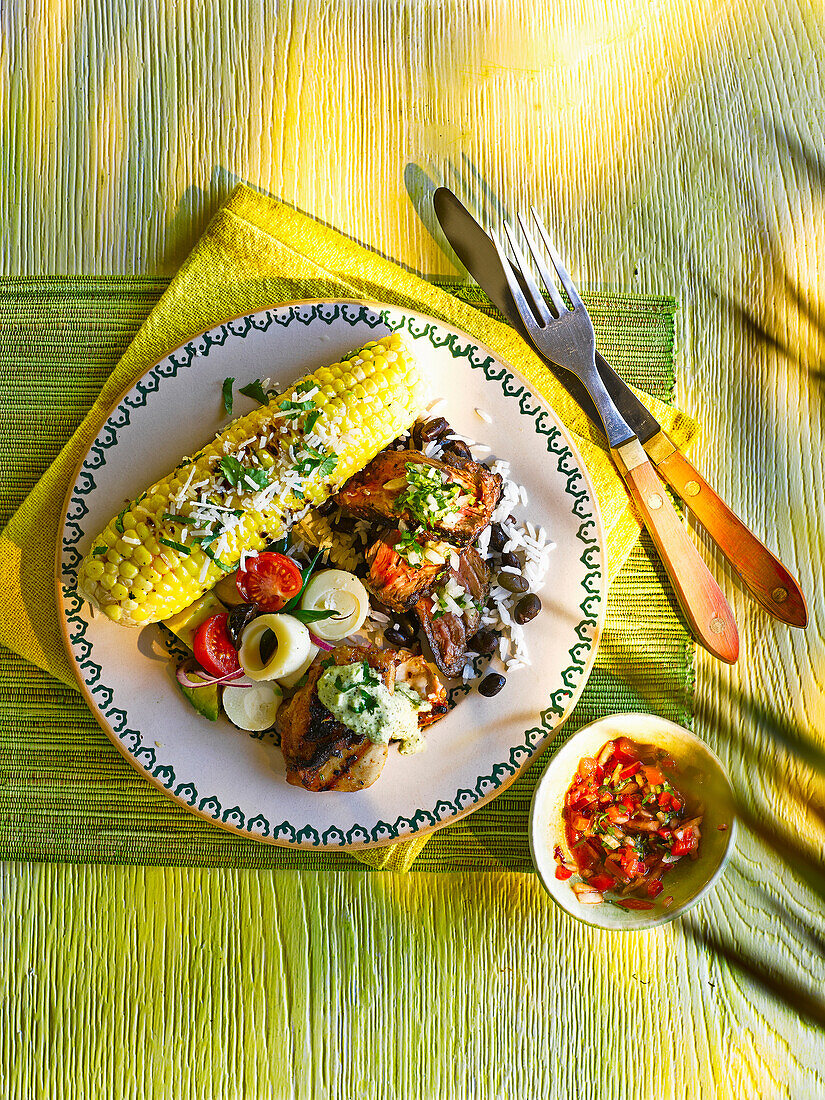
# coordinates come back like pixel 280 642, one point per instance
pixel 764 576
pixel 478 254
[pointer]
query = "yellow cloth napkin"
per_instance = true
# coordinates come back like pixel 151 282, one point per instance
pixel 256 253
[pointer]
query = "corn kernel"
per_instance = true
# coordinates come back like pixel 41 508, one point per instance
pixel 371 387
pixel 113 611
pixel 94 570
pixel 107 581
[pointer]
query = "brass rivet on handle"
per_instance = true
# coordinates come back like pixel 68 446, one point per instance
pixel 692 488
pixel 716 625
pixel 779 595
pixel 654 500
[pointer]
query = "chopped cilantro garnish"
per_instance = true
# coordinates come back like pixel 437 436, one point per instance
pixel 176 517
pixel 306 386
pixel 321 461
pixel 295 408
pixel 370 702
pixel 176 546
pixel 119 520
pixel 259 479
pixel 409 548
pixel 256 391
pixel 429 496
pixel 239 476
pixel 228 383
pixel 99 550
pixel 363 700
pixel 312 420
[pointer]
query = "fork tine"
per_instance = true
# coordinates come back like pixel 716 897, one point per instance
pixel 539 304
pixel 522 304
pixel 548 280
pixel 561 270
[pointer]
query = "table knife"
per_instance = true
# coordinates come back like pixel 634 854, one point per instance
pixel 763 575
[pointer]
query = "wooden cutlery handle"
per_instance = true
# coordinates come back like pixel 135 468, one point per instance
pixel 700 597
pixel 764 575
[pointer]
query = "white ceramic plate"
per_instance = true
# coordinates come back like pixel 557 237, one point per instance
pixel 236 779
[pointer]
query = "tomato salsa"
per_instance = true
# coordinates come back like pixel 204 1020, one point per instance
pixel 626 825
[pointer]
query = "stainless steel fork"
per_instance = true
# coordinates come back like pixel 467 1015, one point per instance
pixel 565 335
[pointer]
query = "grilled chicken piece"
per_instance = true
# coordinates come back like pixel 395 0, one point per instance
pixel 321 753
pixel 396 582
pixel 449 633
pixel 422 677
pixel 373 494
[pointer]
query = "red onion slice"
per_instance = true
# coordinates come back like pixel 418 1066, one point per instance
pixel 320 642
pixel 237 678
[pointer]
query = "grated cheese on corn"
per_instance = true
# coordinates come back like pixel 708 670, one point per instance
pixel 364 403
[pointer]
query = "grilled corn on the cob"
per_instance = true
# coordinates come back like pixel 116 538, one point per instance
pixel 249 485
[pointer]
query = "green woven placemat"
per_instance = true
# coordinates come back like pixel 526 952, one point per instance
pixel 66 794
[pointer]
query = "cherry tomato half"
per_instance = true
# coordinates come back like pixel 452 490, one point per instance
pixel 270 580
pixel 213 650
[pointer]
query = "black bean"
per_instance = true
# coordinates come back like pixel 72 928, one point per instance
pixel 510 559
pixel 425 431
pixel 395 637
pixel 328 506
pixel 527 609
pixel 239 619
pixel 457 448
pixel 484 642
pixel 498 538
pixel 491 685
pixel 404 630
pixel 346 525
pixel 513 582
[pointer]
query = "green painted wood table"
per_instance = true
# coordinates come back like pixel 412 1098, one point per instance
pixel 678 149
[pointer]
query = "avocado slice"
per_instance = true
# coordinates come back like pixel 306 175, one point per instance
pixel 186 622
pixel 204 699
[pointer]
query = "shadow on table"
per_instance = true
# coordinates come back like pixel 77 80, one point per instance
pixel 804 881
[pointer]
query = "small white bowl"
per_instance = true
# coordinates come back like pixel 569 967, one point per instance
pixel 689 879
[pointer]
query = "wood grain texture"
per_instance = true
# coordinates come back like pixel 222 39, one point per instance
pixel 671 147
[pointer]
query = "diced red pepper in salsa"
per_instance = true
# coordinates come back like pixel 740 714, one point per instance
pixel 684 844
pixel 602 882
pixel 625 823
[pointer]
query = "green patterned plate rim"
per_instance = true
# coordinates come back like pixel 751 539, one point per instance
pixel 232 778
